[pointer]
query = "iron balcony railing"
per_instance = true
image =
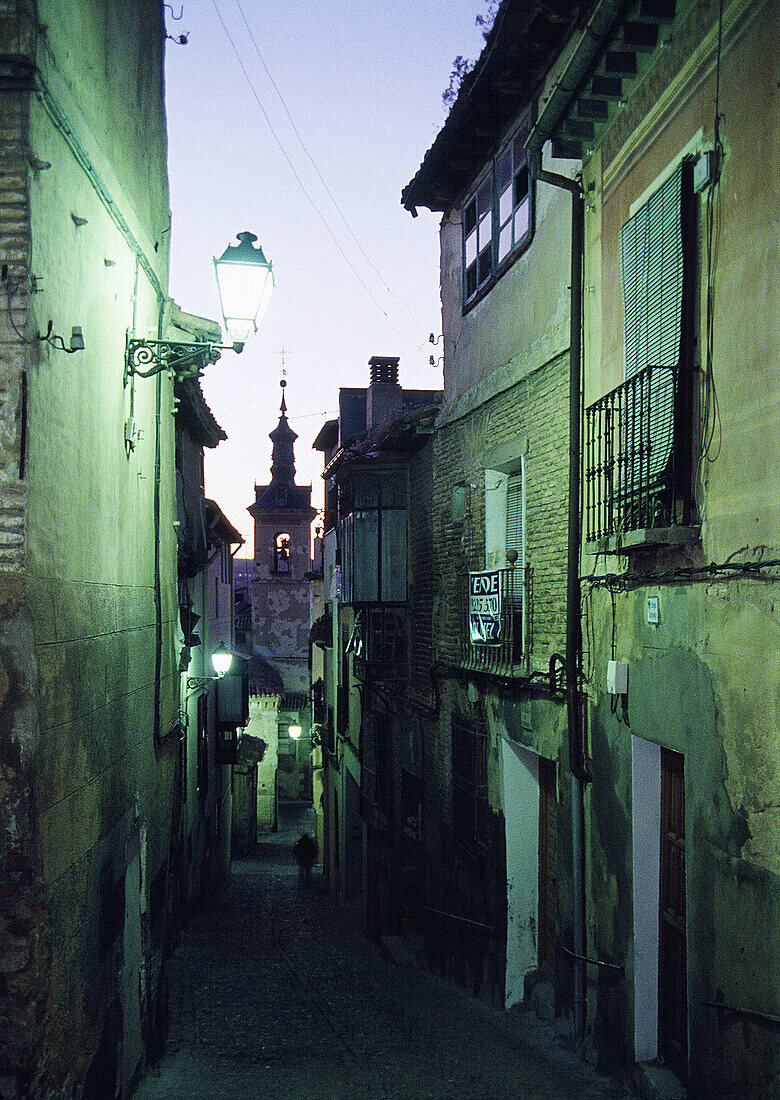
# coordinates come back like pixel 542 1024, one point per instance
pixel 502 655
pixel 638 454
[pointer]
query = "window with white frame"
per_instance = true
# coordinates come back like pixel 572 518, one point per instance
pixel 478 237
pixel 514 197
pixel 505 526
pixel 497 216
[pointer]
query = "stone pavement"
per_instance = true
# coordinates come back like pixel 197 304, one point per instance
pixel 274 995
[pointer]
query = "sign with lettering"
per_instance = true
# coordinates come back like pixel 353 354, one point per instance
pixel 485 607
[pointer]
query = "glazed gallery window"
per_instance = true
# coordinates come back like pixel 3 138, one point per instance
pixel 373 539
pixel 497 216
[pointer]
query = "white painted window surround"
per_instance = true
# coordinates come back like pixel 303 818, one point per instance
pixel 520 803
pixel 501 464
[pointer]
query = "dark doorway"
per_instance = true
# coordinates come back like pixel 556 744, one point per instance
pixel 672 983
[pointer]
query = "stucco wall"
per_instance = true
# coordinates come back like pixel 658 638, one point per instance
pixel 84 733
pixel 703 681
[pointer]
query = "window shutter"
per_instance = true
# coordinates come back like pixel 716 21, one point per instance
pixel 651 263
pixel 515 534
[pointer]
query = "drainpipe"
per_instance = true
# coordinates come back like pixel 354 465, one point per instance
pixel 573 626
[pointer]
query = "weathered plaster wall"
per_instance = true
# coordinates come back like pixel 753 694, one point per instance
pixel 679 698
pixel 264 723
pixel 523 322
pixel 79 695
pixel 737 494
pixel 702 682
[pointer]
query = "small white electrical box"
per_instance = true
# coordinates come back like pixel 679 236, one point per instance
pixel 617 677
pixel 131 432
pixel 705 170
pixel 653 610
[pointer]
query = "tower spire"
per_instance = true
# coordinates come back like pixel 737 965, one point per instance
pixel 283 453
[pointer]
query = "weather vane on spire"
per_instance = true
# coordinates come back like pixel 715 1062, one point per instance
pixel 283 351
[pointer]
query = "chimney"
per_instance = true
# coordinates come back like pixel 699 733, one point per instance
pixel 384 397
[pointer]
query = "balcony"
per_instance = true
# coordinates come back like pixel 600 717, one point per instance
pixel 638 462
pixel 500 649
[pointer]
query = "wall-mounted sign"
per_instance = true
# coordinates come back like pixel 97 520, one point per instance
pixel 485 607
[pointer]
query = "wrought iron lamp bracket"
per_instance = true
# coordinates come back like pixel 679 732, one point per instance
pixel 199 683
pixel 179 359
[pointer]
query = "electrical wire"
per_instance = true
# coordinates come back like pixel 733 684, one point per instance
pixel 301 184
pixel 712 431
pixel 314 165
pixel 623 582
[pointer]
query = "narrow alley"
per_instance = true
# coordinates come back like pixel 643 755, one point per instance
pixel 274 995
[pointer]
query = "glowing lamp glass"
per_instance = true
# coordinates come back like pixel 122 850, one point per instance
pixel 295 732
pixel 221 659
pixel 245 280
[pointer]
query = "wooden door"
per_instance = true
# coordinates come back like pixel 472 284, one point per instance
pixel 672 999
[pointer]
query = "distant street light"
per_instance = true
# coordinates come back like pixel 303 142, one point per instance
pixel 295 732
pixel 221 659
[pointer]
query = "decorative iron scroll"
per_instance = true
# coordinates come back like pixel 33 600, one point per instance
pixel 148 357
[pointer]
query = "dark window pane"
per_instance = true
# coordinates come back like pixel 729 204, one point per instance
pixel 504 171
pixel 470 216
pixel 521 185
pixel 484 266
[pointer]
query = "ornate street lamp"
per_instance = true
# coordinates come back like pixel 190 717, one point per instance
pixel 221 659
pixel 244 280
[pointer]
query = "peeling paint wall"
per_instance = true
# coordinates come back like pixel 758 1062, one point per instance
pixel 703 682
pixel 79 772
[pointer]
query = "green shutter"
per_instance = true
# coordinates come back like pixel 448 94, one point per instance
pixel 651 264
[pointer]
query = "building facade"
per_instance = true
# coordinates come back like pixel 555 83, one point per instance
pixel 498 811
pixel 90 631
pixel 680 538
pixel 604 184
pixel 370 634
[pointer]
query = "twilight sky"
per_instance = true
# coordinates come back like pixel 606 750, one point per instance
pixel 362 84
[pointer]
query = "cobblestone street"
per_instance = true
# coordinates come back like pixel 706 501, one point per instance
pixel 273 995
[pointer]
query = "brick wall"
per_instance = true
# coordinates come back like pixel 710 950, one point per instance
pixel 535 408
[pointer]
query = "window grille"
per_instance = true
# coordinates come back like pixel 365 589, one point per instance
pixel 502 655
pixel 469 779
pixel 638 437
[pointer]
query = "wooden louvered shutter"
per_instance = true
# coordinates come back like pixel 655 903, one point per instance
pixel 652 265
pixel 515 534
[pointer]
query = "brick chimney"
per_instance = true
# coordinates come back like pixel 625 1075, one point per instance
pixel 384 397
